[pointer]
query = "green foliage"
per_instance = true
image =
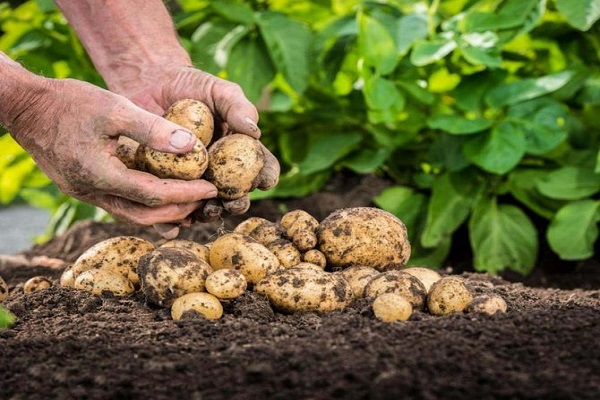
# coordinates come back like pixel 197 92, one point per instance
pixel 6 318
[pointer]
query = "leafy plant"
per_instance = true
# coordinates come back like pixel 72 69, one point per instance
pixel 6 318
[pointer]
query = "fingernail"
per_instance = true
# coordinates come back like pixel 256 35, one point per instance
pixel 180 138
pixel 251 124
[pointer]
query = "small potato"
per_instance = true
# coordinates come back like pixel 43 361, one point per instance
pixel 126 151
pixel 67 278
pixel 234 165
pixel 358 277
pixel 427 276
pixel 448 295
pixel 364 236
pixel 390 307
pixel 241 252
pixel 104 282
pixel 315 256
pixel 400 283
pixel 170 272
pixel 246 226
pixel 487 303
pixel 305 290
pixel 37 283
pixel 201 251
pixel 300 227
pixel 3 289
pixel 266 233
pixel 226 284
pixel 187 166
pixel 192 305
pixel 285 251
pixel 195 116
pixel 120 254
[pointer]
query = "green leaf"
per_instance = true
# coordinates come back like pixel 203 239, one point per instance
pixel 293 184
pixel 224 46
pixel 451 198
pixel 590 92
pixel 580 14
pixel 411 28
pixel 288 42
pixel 382 94
pixel 234 11
pixel 376 45
pixel 469 93
pixel 522 184
pixel 447 153
pixel 429 51
pixel 204 43
pixel 12 179
pixel 367 161
pixel 569 183
pixel 326 149
pixel 499 150
pixel 6 318
pixel 526 89
pixel 458 125
pixel 509 14
pixel 404 202
pixel 574 230
pixel 429 257
pixel 250 67
pixel 502 237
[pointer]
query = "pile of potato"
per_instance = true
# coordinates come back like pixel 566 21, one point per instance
pixel 298 263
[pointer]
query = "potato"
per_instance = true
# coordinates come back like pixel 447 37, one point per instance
pixel 308 265
pixel 191 305
pixel 241 252
pixel 126 151
pixel 67 278
pixel 195 116
pixel 448 295
pixel 3 289
pixel 234 165
pixel 226 284
pixel 170 272
pixel 246 226
pixel 37 283
pixel 364 236
pixel 285 251
pixel 104 282
pixel 487 303
pixel 400 283
pixel 427 276
pixel 358 276
pixel 300 227
pixel 305 289
pixel 266 233
pixel 120 254
pixel 391 307
pixel 187 166
pixel 201 251
pixel 315 256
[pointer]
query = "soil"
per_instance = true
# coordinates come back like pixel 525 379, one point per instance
pixel 70 344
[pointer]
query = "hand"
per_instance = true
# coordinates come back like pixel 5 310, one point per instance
pixel 71 129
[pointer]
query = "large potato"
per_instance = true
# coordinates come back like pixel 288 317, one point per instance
pixel 195 116
pixel 399 283
pixel 3 289
pixel 199 249
pixel 241 252
pixel 103 282
pixel 170 272
pixel 234 165
pixel 305 289
pixel 363 236
pixel 119 254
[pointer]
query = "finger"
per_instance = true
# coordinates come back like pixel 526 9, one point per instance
pixel 269 174
pixel 236 110
pixel 208 212
pixel 237 206
pixel 167 231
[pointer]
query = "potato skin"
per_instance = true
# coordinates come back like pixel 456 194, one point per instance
pixel 36 283
pixel 201 251
pixel 358 277
pixel 487 303
pixel 363 236
pixel 104 282
pixel 246 226
pixel 427 276
pixel 285 251
pixel 234 164
pixel 187 166
pixel 226 284
pixel 67 278
pixel 391 307
pixel 300 227
pixel 305 289
pixel 3 290
pixel 449 295
pixel 399 283
pixel 191 305
pixel 193 115
pixel 315 256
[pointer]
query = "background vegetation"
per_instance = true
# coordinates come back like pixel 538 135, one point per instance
pixel 484 114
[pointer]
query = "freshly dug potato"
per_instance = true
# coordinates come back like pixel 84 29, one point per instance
pixel 195 116
pixel 364 236
pixel 358 276
pixel 120 254
pixel 170 272
pixel 391 307
pixel 427 276
pixel 448 295
pixel 400 283
pixel 487 303
pixel 285 251
pixel 305 289
pixel 315 256
pixel 104 282
pixel 234 165
pixel 266 233
pixel 246 226
pixel 308 265
pixel 201 251
pixel 192 305
pixel 3 289
pixel 126 151
pixel 241 252
pixel 226 284
pixel 301 228
pixel 187 166
pixel 67 278
pixel 36 283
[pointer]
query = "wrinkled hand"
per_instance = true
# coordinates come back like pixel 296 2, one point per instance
pixel 71 129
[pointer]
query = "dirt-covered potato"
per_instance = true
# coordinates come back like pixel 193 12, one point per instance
pixel 300 227
pixel 226 284
pixel 170 272
pixel 285 251
pixel 195 116
pixel 199 249
pixel 266 233
pixel 315 256
pixel 487 303
pixel 246 226
pixel 126 151
pixel 358 276
pixel 67 278
pixel 187 166
pixel 400 283
pixel 391 307
pixel 308 265
pixel 3 289
pixel 37 283
pixel 427 276
pixel 305 289
pixel 364 236
pixel 241 252
pixel 104 282
pixel 450 294
pixel 120 254
pixel 193 305
pixel 234 165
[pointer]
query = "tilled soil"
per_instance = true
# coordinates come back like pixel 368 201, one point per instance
pixel 69 344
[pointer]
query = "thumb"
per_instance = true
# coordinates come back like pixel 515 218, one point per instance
pixel 160 134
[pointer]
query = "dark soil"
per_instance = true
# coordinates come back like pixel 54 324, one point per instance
pixel 69 344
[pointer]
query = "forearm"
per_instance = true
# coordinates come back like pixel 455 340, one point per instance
pixel 125 38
